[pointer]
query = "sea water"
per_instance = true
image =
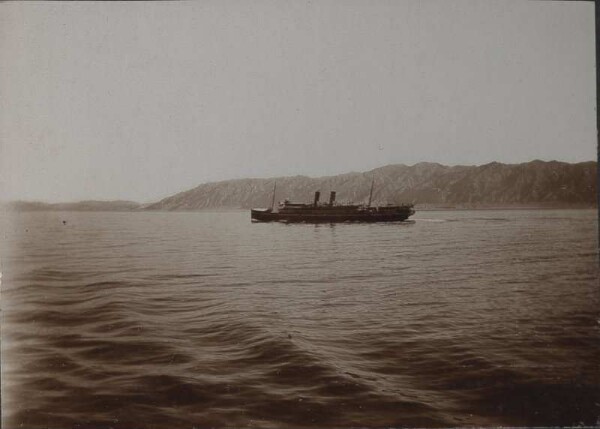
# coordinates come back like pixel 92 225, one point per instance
pixel 204 319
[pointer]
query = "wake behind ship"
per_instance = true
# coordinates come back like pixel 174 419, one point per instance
pixel 332 212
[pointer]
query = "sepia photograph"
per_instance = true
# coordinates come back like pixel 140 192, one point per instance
pixel 299 214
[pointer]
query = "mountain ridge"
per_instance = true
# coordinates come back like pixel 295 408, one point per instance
pixel 535 183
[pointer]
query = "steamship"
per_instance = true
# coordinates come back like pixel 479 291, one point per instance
pixel 331 212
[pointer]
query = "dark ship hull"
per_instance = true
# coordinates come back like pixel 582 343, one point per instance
pixel 266 215
pixel 332 212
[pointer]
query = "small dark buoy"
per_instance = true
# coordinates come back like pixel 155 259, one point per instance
pixel 64 222
pixel 290 336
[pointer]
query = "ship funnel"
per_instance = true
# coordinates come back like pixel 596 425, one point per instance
pixel 332 198
pixel 317 195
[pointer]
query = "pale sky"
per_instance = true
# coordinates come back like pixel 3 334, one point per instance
pixel 141 100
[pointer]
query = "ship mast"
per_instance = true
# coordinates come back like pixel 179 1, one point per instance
pixel 371 193
pixel 273 200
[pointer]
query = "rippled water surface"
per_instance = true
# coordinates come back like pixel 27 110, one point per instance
pixel 180 320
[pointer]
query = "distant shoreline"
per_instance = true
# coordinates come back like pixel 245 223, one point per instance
pixel 456 209
pixel 234 209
